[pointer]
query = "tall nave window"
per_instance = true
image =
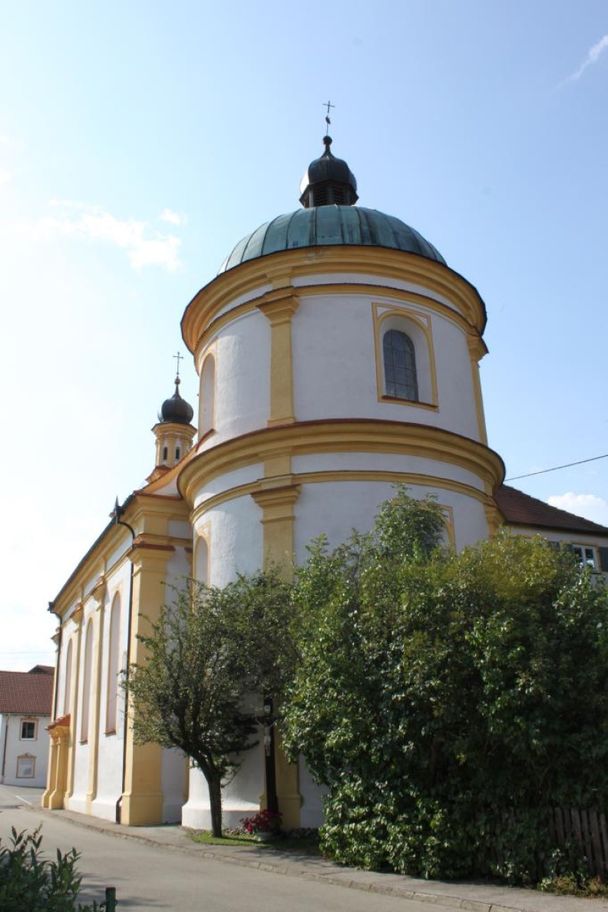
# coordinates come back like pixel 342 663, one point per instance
pixel 399 358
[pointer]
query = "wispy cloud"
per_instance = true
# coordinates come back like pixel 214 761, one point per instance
pixel 5 176
pixel 593 55
pixel 588 505
pixel 144 244
pixel 173 218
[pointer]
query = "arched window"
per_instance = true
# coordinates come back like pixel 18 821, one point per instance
pixel 86 683
pixel 201 560
pixel 207 416
pixel 399 356
pixel 67 678
pixel 113 668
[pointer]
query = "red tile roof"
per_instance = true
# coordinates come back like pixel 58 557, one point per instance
pixel 26 692
pixel 520 509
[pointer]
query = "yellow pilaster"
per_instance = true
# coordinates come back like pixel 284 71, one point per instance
pixel 279 307
pixel 99 594
pixel 76 618
pixel 477 350
pixel 142 800
pixel 493 518
pixel 60 735
pixel 277 498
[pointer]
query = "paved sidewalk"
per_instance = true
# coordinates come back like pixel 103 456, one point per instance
pixel 473 897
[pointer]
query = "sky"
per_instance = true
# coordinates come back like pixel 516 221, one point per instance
pixel 140 141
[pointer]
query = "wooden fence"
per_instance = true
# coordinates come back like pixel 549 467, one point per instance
pixel 587 830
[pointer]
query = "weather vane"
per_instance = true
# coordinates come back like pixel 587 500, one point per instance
pixel 328 105
pixel 178 358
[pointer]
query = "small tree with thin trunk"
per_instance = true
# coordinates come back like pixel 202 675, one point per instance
pixel 209 655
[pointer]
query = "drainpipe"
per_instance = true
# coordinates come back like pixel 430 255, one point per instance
pixel 51 608
pixel 5 720
pixel 116 514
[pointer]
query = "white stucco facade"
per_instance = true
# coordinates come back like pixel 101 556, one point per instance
pixel 24 749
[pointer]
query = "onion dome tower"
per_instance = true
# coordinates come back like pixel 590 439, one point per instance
pixel 338 356
pixel 174 431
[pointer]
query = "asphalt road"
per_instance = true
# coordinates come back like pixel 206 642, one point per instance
pixel 148 878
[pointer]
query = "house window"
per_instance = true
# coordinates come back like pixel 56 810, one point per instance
pixel 26 766
pixel 585 556
pixel 399 355
pixel 165 453
pixel 28 730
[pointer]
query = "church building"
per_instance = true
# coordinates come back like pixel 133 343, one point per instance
pixel 338 356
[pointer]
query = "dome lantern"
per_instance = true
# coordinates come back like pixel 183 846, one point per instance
pixel 328 180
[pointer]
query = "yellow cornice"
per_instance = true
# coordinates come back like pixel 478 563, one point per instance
pixel 343 435
pixel 140 506
pixel 260 495
pixel 278 268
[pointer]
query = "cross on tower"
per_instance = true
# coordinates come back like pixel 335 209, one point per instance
pixel 178 358
pixel 328 105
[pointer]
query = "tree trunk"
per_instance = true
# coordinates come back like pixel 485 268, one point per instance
pixel 215 803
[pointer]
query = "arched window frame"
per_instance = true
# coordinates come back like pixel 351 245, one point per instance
pixel 67 677
pixel 201 558
pixel 87 682
pixel 207 398
pixel 418 328
pixel 113 666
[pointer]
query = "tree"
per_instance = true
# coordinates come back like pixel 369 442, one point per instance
pixel 448 700
pixel 208 655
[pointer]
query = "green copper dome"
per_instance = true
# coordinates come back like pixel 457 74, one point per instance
pixel 321 226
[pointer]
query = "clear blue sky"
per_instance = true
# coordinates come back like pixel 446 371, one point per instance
pixel 140 141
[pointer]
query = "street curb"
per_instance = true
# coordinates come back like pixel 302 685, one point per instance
pixel 291 867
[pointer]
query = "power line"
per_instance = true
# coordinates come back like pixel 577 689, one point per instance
pixel 567 465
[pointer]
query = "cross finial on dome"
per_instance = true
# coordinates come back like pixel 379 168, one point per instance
pixel 327 137
pixel 178 357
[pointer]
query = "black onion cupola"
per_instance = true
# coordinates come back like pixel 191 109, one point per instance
pixel 328 180
pixel 176 410
pixel 174 432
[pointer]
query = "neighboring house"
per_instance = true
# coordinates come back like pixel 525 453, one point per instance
pixel 338 356
pixel 25 712
pixel 526 515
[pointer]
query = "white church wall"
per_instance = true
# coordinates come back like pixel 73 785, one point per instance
pixel 356 278
pixel 311 813
pixel 242 384
pixel 234 535
pixel 384 462
pixel 227 481
pixel 335 371
pixel 249 295
pixel 110 742
pixel 337 508
pixel 173 781
pixel 240 798
pixel 78 799
pixel 179 528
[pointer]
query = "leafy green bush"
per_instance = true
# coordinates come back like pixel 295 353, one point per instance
pixel 31 883
pixel 448 701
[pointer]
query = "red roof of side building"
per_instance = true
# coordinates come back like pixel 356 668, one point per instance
pixel 27 692
pixel 520 509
